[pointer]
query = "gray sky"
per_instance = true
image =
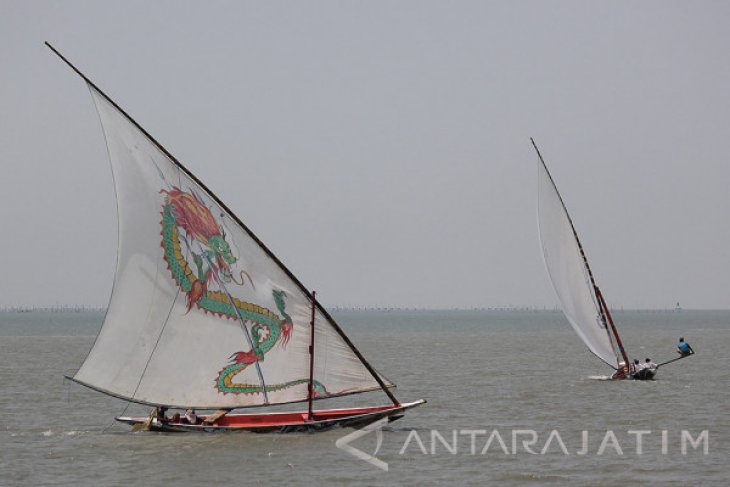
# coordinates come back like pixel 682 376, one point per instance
pixel 381 149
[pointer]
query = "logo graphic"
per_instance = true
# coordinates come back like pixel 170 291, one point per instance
pixel 344 443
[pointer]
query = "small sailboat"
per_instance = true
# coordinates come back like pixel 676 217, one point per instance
pixel 582 301
pixel 203 316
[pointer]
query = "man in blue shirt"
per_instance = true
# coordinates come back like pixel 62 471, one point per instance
pixel 683 348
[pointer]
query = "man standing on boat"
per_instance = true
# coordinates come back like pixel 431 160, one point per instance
pixel 638 367
pixel 683 348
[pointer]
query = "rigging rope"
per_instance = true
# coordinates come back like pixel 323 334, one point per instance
pixel 149 359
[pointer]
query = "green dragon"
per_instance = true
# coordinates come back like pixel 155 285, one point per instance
pixel 212 262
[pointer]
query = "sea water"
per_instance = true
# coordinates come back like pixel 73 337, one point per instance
pixel 513 397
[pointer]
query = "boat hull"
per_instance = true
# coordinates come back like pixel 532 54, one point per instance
pixel 620 374
pixel 645 374
pixel 281 422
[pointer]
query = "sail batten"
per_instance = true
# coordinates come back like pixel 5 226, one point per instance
pixel 185 406
pixel 569 271
pixel 241 335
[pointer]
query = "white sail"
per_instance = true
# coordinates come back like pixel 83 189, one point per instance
pixel 201 314
pixel 568 271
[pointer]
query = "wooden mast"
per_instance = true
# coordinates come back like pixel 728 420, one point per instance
pixel 311 358
pixel 607 313
pixel 235 218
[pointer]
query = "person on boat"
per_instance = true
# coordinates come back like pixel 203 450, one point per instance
pixel 637 366
pixel 683 348
pixel 191 417
pixel 649 365
pixel 161 413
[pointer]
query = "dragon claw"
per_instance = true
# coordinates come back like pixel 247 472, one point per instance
pixel 246 357
pixel 197 291
pixel 286 331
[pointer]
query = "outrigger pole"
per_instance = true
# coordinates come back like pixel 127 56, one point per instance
pixel 674 360
pixel 235 218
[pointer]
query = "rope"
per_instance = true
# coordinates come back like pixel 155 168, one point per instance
pixel 149 359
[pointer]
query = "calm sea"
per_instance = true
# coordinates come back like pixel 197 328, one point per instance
pixel 524 375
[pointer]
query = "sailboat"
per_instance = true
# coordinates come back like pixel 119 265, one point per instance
pixel 203 316
pixel 580 297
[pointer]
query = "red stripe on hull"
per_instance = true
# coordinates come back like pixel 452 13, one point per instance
pixel 283 421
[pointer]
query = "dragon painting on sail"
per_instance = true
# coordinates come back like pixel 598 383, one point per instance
pixel 205 241
pixel 208 335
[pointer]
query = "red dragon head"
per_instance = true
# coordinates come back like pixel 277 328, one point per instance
pixel 192 215
pixel 198 222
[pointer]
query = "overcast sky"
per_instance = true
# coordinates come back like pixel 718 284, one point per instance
pixel 381 149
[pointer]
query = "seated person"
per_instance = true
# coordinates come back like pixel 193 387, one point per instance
pixel 191 417
pixel 683 348
pixel 161 413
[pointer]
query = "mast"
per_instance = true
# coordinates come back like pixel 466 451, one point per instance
pixel 247 335
pixel 603 309
pixel 604 306
pixel 311 359
pixel 235 218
